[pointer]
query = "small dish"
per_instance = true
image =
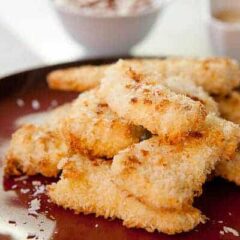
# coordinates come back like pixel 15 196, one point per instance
pixel 108 35
pixel 224 36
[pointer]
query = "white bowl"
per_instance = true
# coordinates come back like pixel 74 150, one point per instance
pixel 224 37
pixel 107 35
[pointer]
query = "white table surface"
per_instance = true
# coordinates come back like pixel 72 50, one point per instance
pixel 31 34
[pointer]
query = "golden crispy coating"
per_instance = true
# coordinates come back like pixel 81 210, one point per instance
pixel 34 149
pixel 37 148
pixel 133 96
pixel 80 78
pixel 165 175
pixel 216 75
pixel 229 169
pixel 149 169
pixel 230 135
pixel 178 84
pixel 92 128
pixel 86 187
pixel 76 79
pixel 87 125
pixel 188 88
pixel 229 107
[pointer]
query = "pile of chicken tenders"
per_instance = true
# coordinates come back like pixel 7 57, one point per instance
pixel 140 140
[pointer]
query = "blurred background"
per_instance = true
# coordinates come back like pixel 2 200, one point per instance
pixel 31 34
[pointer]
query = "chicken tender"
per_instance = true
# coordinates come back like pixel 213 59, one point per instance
pixel 229 107
pixel 178 84
pixel 86 187
pixel 216 75
pixel 167 176
pixel 76 79
pixel 94 129
pixel 170 176
pixel 230 135
pixel 229 169
pixel 133 97
pixel 35 149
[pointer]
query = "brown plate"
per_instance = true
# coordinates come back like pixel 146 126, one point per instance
pixel 220 200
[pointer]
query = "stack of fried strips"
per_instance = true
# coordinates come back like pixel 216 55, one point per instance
pixel 139 142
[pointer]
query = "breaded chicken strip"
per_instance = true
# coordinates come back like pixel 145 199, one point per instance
pixel 229 169
pixel 132 96
pixel 229 106
pixel 216 75
pixel 230 133
pixel 86 187
pixel 35 149
pixel 86 125
pixel 76 79
pixel 93 128
pixel 177 84
pixel 170 176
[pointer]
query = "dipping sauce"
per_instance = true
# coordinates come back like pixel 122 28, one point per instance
pixel 229 16
pixel 110 7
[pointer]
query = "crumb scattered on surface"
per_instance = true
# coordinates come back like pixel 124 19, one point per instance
pixel 12 222
pixel 35 104
pixel 52 217
pixel 20 102
pixel 39 190
pixel 36 183
pixel 31 236
pixel 54 103
pixel 14 186
pixel 231 230
pixel 18 179
pixel 34 207
pixel 96 225
pixel 24 191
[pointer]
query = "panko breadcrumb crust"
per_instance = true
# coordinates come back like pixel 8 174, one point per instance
pixel 86 186
pixel 34 149
pixel 93 128
pixel 170 176
pixel 229 106
pixel 37 149
pixel 132 97
pixel 76 79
